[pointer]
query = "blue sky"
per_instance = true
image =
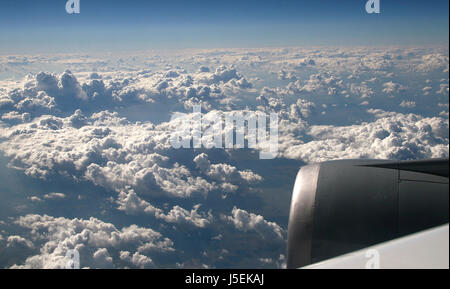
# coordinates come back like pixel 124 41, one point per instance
pixel 44 26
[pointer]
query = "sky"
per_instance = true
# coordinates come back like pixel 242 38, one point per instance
pixel 44 26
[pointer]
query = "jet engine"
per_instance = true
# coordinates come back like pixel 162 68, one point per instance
pixel 342 206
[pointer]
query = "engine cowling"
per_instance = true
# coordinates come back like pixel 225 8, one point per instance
pixel 341 206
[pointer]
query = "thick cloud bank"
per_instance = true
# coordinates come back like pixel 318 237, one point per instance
pixel 92 238
pixel 88 162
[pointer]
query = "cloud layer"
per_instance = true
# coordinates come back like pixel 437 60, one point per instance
pixel 88 144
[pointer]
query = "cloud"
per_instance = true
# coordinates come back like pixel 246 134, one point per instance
pixel 363 91
pixel 54 196
pixel 443 89
pixel 102 259
pixel 302 109
pixel 432 62
pixel 322 82
pixel 181 216
pixel 18 242
pixel 104 149
pixel 225 173
pixel 427 90
pixel 390 136
pixel 137 259
pixel 392 88
pixel 132 204
pixel 92 238
pixel 35 199
pixel 101 127
pixel 244 221
pixel 222 74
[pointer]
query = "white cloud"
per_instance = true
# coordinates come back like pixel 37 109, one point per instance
pixel 392 88
pixel 35 199
pixel 225 173
pixel 53 196
pixel 102 259
pixel 18 242
pixel 443 89
pixel 363 91
pixel 104 149
pixel 427 90
pixel 181 216
pixel 245 221
pixel 390 136
pixel 137 259
pixel 93 127
pixel 432 62
pixel 132 204
pixel 92 238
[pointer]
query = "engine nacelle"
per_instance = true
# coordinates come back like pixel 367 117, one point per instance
pixel 341 206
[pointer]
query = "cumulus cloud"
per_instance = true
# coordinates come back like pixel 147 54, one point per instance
pixel 137 259
pixel 224 172
pixel 35 199
pixel 132 204
pixel 432 62
pixel 18 241
pixel 443 89
pixel 92 238
pixel 102 259
pixel 245 221
pixel 222 74
pixel 104 125
pixel 392 88
pixel 390 136
pixel 363 91
pixel 47 93
pixel 181 216
pixel 322 82
pixel 104 149
pixel 54 196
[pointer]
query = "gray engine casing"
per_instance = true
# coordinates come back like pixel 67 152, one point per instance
pixel 342 206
